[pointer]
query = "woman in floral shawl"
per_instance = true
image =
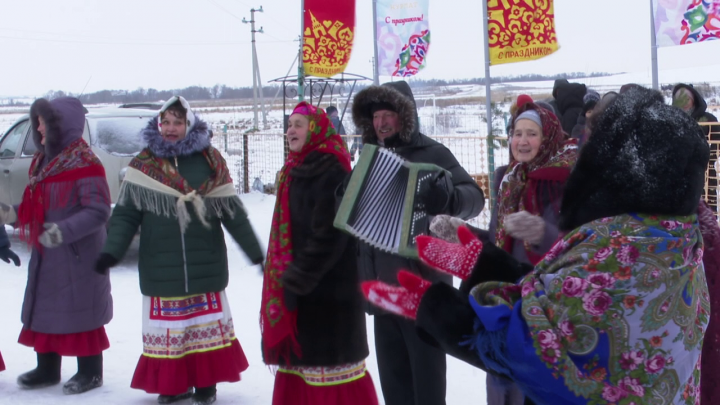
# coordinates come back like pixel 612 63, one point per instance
pixel 617 310
pixel 313 324
pixel 524 221
pixel 62 218
pixel 178 191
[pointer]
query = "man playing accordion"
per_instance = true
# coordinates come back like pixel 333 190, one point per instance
pixel 386 116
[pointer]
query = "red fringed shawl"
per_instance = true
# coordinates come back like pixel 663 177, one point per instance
pixel 278 325
pixel 520 188
pixel 52 187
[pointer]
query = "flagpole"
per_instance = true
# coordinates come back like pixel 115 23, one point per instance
pixel 376 75
pixel 488 98
pixel 301 67
pixel 653 48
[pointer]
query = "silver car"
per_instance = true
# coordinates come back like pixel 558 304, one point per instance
pixel 112 133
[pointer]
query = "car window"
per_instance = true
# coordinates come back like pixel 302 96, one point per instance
pixel 29 149
pixel 118 135
pixel 13 140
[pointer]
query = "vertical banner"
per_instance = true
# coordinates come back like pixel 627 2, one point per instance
pixel 520 30
pixel 681 22
pixel 403 36
pixel 328 37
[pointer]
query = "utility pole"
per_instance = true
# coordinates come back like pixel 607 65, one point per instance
pixel 376 74
pixel 257 83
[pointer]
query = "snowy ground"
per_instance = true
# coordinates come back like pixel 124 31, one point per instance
pixel 463 382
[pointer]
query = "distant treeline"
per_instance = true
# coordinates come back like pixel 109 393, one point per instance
pixel 223 92
pixel 506 79
pixel 142 95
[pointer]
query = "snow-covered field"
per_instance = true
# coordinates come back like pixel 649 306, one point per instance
pixel 464 383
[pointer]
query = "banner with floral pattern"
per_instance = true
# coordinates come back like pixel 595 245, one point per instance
pixel 403 36
pixel 681 22
pixel 520 30
pixel 328 36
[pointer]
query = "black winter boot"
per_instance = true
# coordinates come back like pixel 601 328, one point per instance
pixel 46 374
pixel 204 396
pixel 169 399
pixel 89 375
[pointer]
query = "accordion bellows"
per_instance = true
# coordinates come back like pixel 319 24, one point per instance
pixel 381 205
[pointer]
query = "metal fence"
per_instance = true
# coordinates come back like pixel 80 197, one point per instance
pixel 712 174
pixel 255 159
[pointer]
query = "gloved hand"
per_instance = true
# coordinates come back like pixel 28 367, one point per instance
pixel 445 227
pixel 438 193
pixel 290 299
pixel 403 300
pixel 457 259
pixel 52 237
pixel 104 262
pixel 526 227
pixel 6 255
pixel 7 214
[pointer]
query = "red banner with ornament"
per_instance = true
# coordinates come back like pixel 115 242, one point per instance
pixel 520 30
pixel 328 36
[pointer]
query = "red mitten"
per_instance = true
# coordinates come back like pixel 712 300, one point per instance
pixel 457 259
pixel 403 300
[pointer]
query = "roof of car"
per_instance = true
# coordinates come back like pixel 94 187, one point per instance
pixel 107 112
pixel 119 112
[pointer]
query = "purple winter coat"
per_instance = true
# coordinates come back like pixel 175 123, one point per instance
pixel 64 294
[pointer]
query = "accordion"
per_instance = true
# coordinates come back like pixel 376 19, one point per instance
pixel 381 205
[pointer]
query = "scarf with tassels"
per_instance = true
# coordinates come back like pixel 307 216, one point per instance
pixel 278 325
pixel 155 185
pixel 53 186
pixel 520 187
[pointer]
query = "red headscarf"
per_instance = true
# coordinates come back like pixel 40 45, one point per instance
pixel 278 325
pixel 519 188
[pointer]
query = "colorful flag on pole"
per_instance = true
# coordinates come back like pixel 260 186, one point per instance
pixel 520 30
pixel 681 22
pixel 328 37
pixel 403 36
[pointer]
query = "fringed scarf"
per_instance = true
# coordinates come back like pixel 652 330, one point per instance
pixel 520 187
pixel 278 325
pixel 154 184
pixel 53 187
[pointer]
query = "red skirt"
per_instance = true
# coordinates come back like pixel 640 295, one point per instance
pixel 292 389
pixel 2 363
pixel 202 369
pixel 81 344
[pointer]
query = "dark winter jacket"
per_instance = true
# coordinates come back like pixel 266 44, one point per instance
pixel 161 269
pixel 668 154
pixel 580 127
pixel 4 240
pixel 570 103
pixel 323 274
pixel 699 113
pixel 552 101
pixel 64 294
pixel 467 200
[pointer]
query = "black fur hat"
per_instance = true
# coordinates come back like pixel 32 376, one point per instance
pixel 643 156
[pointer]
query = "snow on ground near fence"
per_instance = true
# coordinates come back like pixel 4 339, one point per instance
pixel 463 381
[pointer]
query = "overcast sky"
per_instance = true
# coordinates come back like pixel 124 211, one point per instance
pixel 168 44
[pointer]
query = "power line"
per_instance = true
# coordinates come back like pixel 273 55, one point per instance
pixel 230 13
pixel 278 22
pixel 224 9
pixel 136 43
